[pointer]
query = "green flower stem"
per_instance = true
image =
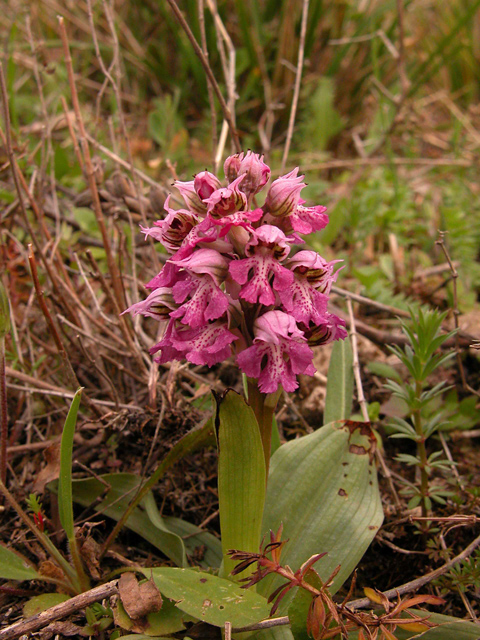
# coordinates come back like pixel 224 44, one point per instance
pixel 83 580
pixel 422 451
pixel 263 405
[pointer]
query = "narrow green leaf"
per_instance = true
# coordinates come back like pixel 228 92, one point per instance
pixel 338 401
pixel 166 534
pixel 209 598
pixel 14 566
pixel 241 477
pixel 384 370
pixel 323 488
pixel 65 503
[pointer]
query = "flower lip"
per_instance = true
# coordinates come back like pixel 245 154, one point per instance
pixel 270 237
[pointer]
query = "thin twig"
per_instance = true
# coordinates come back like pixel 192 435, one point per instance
pixel 71 376
pixel 453 466
pixel 123 163
pixel 211 99
pixel 228 71
pixel 210 76
pixel 59 611
pixel 90 174
pixel 363 404
pixel 3 412
pixel 264 624
pixel 356 364
pixel 298 78
pixel 441 243
pixel 413 585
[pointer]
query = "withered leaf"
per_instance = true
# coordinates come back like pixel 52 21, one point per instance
pixel 50 570
pixel 51 470
pixel 90 552
pixel 139 599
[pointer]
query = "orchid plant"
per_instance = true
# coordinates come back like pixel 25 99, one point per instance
pixel 235 284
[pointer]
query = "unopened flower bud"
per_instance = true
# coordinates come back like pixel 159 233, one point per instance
pixel 232 166
pixel 4 312
pixel 205 184
pixel 284 194
pixel 257 173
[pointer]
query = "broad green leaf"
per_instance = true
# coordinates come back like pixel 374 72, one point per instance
pixel 164 533
pixel 209 598
pixel 241 477
pixel 323 488
pixel 338 401
pixel 65 502
pixel 14 566
pixel 40 603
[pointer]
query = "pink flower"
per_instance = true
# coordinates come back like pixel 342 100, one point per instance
pixel 205 183
pixel 206 345
pixel 158 305
pixel 303 302
pixel 228 262
pixel 279 352
pixel 243 219
pixel 252 167
pixel 308 219
pixel 284 194
pixel 173 230
pixel 318 272
pixel 206 261
pixel 226 201
pixel 232 166
pixel 332 328
pixel 203 233
pixel 167 277
pixel 206 301
pixel 267 246
pixel 188 193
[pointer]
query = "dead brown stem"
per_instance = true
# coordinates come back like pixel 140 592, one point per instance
pixel 59 611
pixel 89 170
pixel 298 78
pixel 210 76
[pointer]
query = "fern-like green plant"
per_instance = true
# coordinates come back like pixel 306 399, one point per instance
pixel 421 357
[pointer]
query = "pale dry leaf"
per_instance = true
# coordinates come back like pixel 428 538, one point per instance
pixel 139 599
